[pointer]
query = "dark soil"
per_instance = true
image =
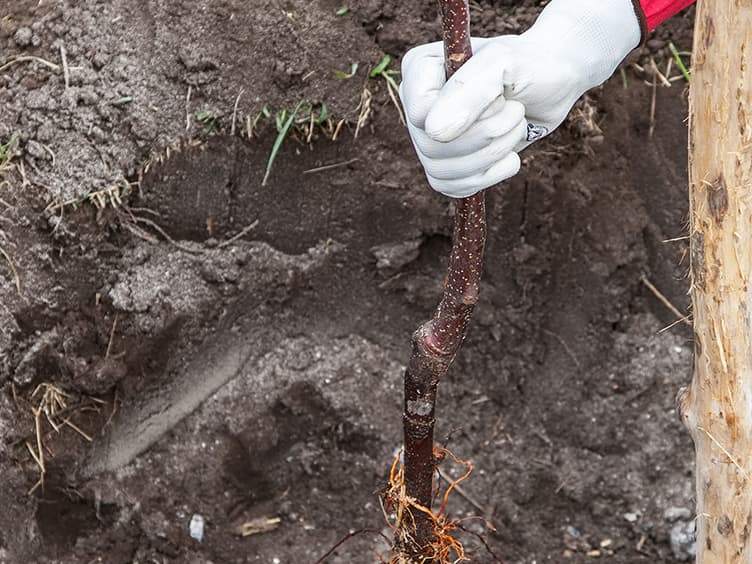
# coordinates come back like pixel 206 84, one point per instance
pixel 235 351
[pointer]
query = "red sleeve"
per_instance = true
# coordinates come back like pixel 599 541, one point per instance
pixel 658 11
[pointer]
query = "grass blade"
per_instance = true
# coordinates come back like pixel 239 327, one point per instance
pixel 278 141
pixel 678 58
pixel 381 67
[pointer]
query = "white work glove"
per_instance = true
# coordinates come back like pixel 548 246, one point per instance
pixel 515 90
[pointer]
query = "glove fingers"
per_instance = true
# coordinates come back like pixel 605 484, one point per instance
pixel 423 77
pixel 494 108
pixel 480 134
pixel 483 159
pixel 464 187
pixel 466 95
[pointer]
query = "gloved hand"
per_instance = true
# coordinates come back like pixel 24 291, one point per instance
pixel 515 90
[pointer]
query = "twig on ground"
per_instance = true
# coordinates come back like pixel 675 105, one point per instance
pixel 258 526
pixel 363 109
pixel 235 112
pixel 188 108
pixel 27 59
pixel 77 429
pixel 237 236
pixel 652 108
pixel 140 233
pixel 393 95
pixel 112 413
pixel 52 404
pixel 66 71
pixel 16 277
pixel 337 129
pixel 50 152
pixel 686 319
pixel 158 229
pixel 330 166
pixel 22 171
pixel 112 337
pixel 665 301
pixel 565 346
pixel 659 74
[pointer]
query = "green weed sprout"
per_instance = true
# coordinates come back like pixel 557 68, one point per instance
pixel 678 58
pixel 283 121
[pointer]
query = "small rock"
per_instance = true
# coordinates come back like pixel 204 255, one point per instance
pixel 196 527
pixel 37 151
pixel 673 514
pixel 100 59
pixel 23 37
pixel 396 255
pixel 655 44
pixel 631 517
pixel 45 133
pixel 683 541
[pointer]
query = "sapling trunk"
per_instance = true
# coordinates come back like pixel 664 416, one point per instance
pixel 435 343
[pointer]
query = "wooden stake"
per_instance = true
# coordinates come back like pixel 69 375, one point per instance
pixel 717 408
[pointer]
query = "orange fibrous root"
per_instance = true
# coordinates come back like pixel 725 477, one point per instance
pixel 445 549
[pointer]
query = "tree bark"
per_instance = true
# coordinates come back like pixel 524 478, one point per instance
pixel 717 408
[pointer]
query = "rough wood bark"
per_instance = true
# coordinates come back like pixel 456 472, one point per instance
pixel 717 408
pixel 436 343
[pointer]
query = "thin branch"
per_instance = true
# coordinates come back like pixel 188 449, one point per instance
pixel 66 71
pixel 28 59
pixel 330 166
pixel 665 301
pixel 237 236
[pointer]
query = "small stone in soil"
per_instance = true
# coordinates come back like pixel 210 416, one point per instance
pixel 23 37
pixel 196 527
pixel 683 540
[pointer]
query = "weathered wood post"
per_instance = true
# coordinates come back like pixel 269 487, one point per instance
pixel 717 408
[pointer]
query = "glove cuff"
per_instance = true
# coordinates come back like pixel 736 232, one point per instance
pixel 592 36
pixel 643 20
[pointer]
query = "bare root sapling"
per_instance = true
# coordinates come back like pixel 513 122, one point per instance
pixel 419 538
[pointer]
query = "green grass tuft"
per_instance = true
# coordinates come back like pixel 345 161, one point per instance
pixel 678 58
pixel 6 153
pixel 284 121
pixel 342 75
